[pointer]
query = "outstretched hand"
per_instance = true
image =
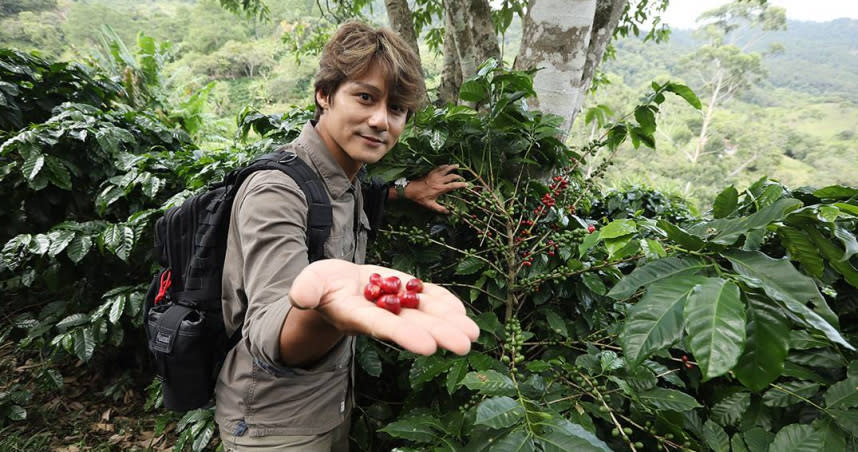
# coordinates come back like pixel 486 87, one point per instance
pixel 334 288
pixel 426 190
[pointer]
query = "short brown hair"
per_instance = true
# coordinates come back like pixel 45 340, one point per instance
pixel 355 47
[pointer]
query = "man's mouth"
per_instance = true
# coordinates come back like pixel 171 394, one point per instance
pixel 373 139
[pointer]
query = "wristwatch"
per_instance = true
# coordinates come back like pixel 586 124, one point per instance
pixel 399 185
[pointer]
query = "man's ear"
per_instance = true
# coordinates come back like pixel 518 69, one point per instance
pixel 322 99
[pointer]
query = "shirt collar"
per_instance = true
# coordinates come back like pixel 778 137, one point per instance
pixel 318 154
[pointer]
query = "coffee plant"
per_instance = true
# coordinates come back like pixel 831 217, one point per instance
pixel 610 321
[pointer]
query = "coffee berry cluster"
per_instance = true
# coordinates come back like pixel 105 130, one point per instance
pixel 388 293
pixel 514 343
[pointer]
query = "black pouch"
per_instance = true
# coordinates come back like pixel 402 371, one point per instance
pixel 180 337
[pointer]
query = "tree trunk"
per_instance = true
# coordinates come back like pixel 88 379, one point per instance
pixel 399 15
pixel 566 39
pixel 451 73
pixel 473 32
pixel 707 118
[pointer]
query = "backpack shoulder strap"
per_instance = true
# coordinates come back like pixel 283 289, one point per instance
pixel 319 215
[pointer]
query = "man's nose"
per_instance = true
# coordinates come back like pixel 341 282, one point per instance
pixel 378 118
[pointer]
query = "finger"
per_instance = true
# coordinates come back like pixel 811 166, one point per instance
pixel 387 326
pixel 432 205
pixel 452 177
pixel 445 169
pixel 447 334
pixel 455 317
pixel 452 186
pixel 306 291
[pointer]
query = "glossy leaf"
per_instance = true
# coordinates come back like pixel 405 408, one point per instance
pixel 715 321
pixel 84 343
pixel 79 247
pixel 60 239
pixel 655 322
pixel 499 412
pixel 802 249
pixel 730 410
pixel 680 236
pixel 797 438
pixel 653 272
pixel 426 368
pixel 766 345
pixel 725 202
pixel 850 244
pixel 415 428
pixel 563 436
pixel 457 372
pixel 617 229
pixel 836 192
pixel 715 436
pixel 782 282
pixel 843 394
pixel 469 266
pixel 117 308
pixel 515 441
pixel 727 231
pixel 489 382
pixel 785 394
pixel 684 92
pixel 669 399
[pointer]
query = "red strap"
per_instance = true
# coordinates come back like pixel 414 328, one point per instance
pixel 166 282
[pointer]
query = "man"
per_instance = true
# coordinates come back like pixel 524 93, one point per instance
pixel 287 384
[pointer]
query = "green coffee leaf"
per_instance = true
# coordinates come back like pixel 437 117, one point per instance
pixel 669 399
pixel 797 438
pixel 489 382
pixel 653 272
pixel 655 322
pixel 499 412
pixel 715 321
pixel 766 345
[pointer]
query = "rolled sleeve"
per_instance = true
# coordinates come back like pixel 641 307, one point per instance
pixel 271 222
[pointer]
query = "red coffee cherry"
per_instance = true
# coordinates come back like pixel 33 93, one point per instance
pixel 389 302
pixel 375 278
pixel 414 285
pixel 591 229
pixel 391 284
pixel 371 291
pixel 409 299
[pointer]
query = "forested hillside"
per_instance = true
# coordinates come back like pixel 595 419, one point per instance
pixel 797 124
pixel 643 284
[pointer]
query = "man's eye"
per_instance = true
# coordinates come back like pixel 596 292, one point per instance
pixel 397 108
pixel 365 97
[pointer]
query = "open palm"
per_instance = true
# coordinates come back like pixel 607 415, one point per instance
pixel 335 289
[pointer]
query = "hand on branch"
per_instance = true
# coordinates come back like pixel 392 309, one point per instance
pixel 426 190
pixel 334 288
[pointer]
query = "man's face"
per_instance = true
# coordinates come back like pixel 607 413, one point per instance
pixel 360 123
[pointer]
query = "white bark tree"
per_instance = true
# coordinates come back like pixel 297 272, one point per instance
pixel 565 39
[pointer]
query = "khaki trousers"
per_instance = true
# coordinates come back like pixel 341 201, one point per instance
pixel 336 440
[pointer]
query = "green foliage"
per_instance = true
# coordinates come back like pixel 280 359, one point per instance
pixel 657 329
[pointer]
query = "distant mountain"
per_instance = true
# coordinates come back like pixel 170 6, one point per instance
pixel 818 58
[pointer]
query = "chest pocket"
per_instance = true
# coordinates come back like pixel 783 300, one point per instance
pixel 348 242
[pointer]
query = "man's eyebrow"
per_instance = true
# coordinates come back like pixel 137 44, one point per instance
pixel 368 87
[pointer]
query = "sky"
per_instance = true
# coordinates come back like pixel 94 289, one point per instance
pixel 682 13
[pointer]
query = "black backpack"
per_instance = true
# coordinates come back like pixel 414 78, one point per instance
pixel 183 315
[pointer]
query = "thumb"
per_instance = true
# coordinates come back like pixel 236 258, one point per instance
pixel 307 289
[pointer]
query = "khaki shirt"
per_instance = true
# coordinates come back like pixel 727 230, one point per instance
pixel 266 249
